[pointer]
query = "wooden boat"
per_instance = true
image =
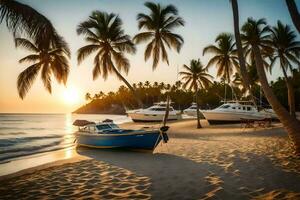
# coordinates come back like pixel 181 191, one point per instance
pixel 107 134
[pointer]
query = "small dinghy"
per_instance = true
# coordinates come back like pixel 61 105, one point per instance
pixel 107 134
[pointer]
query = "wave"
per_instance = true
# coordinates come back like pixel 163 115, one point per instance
pixel 14 133
pixel 32 150
pixel 13 120
pixel 13 141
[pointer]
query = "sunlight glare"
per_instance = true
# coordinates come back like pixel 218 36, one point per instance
pixel 70 96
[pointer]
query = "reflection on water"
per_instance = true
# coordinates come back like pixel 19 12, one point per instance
pixel 23 134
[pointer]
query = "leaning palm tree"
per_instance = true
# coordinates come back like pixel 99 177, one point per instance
pixel 45 59
pixel 286 51
pixel 21 18
pixel 292 7
pixel 195 77
pixel 159 25
pixel 225 58
pixel 104 34
pixel 255 33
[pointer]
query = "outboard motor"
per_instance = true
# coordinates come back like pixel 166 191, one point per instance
pixel 164 134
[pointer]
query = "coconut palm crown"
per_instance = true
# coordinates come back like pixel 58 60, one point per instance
pixel 105 37
pixel 104 34
pixel 225 56
pixel 45 59
pixel 158 26
pixel 23 19
pixel 285 45
pixel 195 76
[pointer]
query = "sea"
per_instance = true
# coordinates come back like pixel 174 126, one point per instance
pixel 27 134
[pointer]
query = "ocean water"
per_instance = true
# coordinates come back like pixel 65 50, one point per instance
pixel 26 134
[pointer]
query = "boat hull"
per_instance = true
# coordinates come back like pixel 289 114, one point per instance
pixel 223 117
pixel 140 117
pixel 140 140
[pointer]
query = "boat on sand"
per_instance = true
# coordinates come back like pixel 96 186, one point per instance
pixel 107 134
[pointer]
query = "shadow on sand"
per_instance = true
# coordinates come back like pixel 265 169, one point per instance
pixel 132 175
pixel 175 177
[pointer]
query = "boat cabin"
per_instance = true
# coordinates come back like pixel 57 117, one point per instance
pixel 92 127
pixel 237 107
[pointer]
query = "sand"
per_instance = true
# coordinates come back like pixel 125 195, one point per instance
pixel 215 162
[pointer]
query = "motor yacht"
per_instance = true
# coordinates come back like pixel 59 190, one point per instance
pixel 154 113
pixel 235 111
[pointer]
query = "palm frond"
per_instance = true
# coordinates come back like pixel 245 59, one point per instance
pixel 85 51
pixel 27 44
pixel 46 77
pixel 26 79
pixel 142 37
pixel 30 58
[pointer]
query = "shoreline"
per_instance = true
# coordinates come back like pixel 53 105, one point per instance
pixel 34 162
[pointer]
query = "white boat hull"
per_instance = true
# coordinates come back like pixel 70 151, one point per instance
pixel 190 112
pixel 148 117
pixel 230 117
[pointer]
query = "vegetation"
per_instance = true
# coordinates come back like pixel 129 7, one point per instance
pixel 50 61
pixel 116 102
pixel 224 59
pixel 23 19
pixel 255 34
pixel 50 49
pixel 286 51
pixel 159 25
pixel 105 36
pixel 195 77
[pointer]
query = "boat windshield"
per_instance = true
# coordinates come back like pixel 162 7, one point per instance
pixel 225 106
pixel 160 109
pixel 103 126
pixel 113 125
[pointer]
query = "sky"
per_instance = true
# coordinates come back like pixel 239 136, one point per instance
pixel 204 21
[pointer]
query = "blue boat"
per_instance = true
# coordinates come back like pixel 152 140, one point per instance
pixel 107 134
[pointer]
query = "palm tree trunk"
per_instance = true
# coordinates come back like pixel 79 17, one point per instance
pixel 291 93
pixel 136 95
pixel 294 13
pixel 198 112
pixel 243 69
pixel 291 99
pixel 291 124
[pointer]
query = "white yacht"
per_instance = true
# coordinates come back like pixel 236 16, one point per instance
pixel 234 111
pixel 154 113
pixel 191 111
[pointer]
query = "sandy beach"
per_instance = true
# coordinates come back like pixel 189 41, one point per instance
pixel 215 162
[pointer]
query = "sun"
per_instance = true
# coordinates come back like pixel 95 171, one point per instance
pixel 70 96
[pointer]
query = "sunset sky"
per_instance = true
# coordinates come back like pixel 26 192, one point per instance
pixel 204 20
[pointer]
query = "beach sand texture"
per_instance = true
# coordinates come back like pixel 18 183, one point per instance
pixel 216 162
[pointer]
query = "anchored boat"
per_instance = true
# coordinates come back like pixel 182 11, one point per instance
pixel 154 113
pixel 235 111
pixel 107 134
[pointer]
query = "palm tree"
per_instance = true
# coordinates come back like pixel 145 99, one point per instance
pixel 294 13
pixel 45 59
pixel 287 52
pixel 147 84
pixel 224 58
pixel 195 77
pixel 88 96
pixel 255 33
pixel 21 18
pixel 159 25
pixel 105 36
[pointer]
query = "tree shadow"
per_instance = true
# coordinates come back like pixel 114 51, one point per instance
pixel 175 177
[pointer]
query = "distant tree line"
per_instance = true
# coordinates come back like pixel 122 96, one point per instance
pixel 123 98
